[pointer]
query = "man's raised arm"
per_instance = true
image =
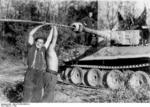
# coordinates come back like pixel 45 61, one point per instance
pixel 55 36
pixel 49 38
pixel 51 58
pixel 31 38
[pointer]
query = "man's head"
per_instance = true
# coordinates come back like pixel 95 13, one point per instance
pixel 39 42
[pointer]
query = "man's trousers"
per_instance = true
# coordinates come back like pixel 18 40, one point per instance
pixel 35 82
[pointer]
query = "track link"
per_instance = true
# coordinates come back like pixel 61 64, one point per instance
pixel 113 67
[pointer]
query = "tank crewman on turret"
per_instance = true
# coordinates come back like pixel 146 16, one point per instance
pixel 90 39
pixel 34 82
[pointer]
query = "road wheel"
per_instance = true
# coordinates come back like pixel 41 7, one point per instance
pixel 76 76
pixel 115 79
pixel 139 80
pixel 127 75
pixel 94 77
pixel 66 74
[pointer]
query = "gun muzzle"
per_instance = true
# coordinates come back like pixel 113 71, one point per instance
pixel 77 27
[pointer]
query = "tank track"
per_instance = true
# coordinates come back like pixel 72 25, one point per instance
pixel 105 68
pixel 113 67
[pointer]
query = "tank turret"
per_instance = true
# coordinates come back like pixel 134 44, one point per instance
pixel 127 37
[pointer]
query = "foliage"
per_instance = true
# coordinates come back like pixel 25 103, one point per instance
pixel 76 14
pixel 14 93
pixel 131 22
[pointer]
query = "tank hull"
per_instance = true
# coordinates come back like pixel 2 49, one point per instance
pixel 110 64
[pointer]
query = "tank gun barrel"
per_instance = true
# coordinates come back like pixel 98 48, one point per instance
pixel 104 34
pixel 146 27
pixel 128 37
pixel 78 27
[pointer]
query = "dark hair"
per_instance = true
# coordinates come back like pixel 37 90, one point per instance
pixel 43 38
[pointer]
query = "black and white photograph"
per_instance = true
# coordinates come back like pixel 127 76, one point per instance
pixel 74 51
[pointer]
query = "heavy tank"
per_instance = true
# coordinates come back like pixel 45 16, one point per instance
pixel 114 67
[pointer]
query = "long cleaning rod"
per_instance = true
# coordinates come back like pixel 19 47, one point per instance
pixel 34 22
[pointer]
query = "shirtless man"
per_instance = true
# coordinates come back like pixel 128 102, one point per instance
pixel 50 77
